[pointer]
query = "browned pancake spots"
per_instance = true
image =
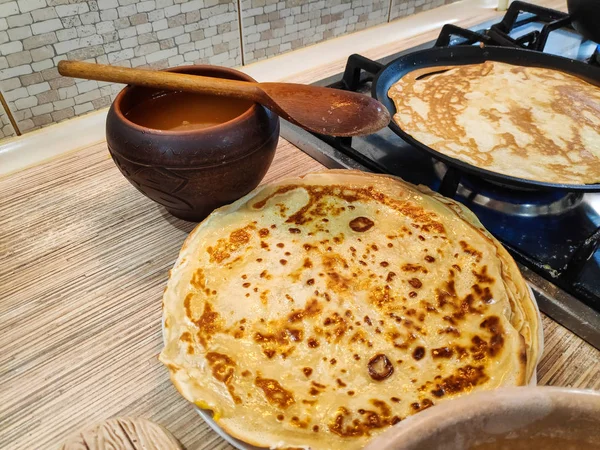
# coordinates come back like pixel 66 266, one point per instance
pixel 523 356
pixel 340 383
pixel 246 285
pixel 185 337
pixel 380 367
pixel 281 337
pixel 281 190
pixel 333 361
pixel 317 207
pixel 442 352
pixel 276 395
pixel 311 309
pixel 425 403
pixel 463 380
pixel 493 325
pixel 264 295
pixel 356 357
pixel 429 259
pixel 299 423
pixel 208 324
pixel 384 264
pixel 415 282
pixel 484 294
pixel 390 277
pixel 283 262
pixel 414 268
pixel 265 274
pixel 280 417
pixel 172 368
pixel 482 276
pixel 198 280
pixel 224 248
pixel 479 348
pixel 449 330
pixel 263 232
pixel 313 343
pixel 448 293
pixel 309 402
pixel 294 230
pixel 343 425
pixel 470 250
pixel 223 368
pixel 339 324
pixel 315 428
pixel 269 353
pixel 412 294
pixel 395 400
pixel 307 371
pixel 418 353
pixel 380 296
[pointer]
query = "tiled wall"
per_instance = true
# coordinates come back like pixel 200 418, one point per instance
pixel 271 27
pixel 36 34
pixel 403 8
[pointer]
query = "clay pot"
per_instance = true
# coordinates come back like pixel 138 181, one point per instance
pixel 192 172
pixel 523 418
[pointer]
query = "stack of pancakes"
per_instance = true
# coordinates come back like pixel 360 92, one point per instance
pixel 319 311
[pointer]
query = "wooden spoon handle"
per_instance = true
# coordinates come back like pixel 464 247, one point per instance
pixel 162 80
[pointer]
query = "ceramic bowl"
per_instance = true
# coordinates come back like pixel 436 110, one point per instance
pixel 524 418
pixel 192 172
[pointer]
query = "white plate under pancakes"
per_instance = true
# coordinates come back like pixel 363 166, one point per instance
pixel 207 415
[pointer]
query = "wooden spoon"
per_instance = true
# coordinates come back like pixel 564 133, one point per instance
pixel 318 109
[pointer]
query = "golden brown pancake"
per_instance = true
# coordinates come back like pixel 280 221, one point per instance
pixel 319 311
pixel 526 122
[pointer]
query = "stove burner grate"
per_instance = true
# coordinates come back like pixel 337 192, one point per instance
pixel 509 200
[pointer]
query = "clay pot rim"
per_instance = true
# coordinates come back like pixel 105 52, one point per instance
pixel 222 127
pixel 491 405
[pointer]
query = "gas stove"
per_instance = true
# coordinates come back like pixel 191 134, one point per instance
pixel 553 235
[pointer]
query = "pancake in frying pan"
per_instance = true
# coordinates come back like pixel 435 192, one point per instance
pixel 319 311
pixel 526 122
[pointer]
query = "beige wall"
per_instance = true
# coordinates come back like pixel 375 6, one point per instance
pixel 36 34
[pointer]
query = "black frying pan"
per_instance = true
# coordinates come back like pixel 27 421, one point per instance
pixel 460 55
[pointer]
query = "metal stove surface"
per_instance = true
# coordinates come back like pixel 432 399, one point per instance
pixel 543 245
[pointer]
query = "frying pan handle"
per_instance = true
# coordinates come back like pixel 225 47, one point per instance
pixel 450 30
